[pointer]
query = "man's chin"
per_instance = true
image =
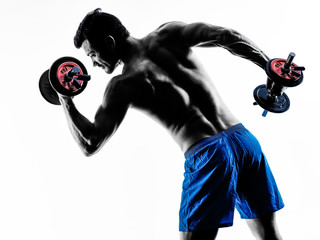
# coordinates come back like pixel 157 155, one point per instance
pixel 108 70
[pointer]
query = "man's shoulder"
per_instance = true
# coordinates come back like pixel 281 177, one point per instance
pixel 173 28
pixel 166 28
pixel 127 78
pixel 173 25
pixel 165 32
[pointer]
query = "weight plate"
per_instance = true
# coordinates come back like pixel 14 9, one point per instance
pixel 275 72
pixel 57 78
pixel 278 104
pixel 46 90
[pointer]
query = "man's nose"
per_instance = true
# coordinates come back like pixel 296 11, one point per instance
pixel 94 63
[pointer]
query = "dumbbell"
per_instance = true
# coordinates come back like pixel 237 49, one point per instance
pixel 67 76
pixel 282 73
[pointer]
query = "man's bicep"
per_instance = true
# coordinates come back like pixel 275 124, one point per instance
pixel 106 122
pixel 109 117
pixel 110 114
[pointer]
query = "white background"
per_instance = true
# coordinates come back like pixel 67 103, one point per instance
pixel 131 189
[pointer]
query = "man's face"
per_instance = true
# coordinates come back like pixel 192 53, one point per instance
pixel 104 57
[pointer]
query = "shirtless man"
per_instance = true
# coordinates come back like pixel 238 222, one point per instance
pixel 225 167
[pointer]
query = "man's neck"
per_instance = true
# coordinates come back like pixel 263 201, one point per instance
pixel 130 49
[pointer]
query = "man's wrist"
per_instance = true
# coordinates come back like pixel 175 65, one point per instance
pixel 65 100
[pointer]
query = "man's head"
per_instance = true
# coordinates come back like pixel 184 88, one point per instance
pixel 101 35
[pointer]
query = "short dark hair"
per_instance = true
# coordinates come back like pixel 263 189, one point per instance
pixel 96 26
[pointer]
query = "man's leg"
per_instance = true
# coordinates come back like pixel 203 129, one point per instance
pixel 264 228
pixel 199 235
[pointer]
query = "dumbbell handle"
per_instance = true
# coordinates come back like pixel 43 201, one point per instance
pixel 83 77
pixel 297 68
pixel 286 66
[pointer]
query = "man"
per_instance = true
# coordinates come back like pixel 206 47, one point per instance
pixel 225 167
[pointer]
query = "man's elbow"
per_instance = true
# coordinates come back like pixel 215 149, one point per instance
pixel 90 149
pixel 92 145
pixel 88 153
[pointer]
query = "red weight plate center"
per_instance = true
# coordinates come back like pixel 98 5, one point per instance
pixel 63 69
pixel 277 65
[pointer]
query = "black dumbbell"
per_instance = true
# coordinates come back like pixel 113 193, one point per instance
pixel 282 73
pixel 67 76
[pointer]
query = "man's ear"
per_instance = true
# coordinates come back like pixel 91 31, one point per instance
pixel 110 41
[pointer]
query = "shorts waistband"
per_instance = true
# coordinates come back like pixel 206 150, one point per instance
pixel 207 141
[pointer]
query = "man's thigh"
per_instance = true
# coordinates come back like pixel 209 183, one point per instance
pixel 199 235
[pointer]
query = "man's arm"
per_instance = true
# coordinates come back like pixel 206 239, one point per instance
pixel 92 136
pixel 207 35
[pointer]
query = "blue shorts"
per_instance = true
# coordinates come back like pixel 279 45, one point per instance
pixel 222 172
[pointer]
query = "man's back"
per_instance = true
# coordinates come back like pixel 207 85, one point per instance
pixel 177 91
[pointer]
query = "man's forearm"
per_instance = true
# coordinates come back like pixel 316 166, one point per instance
pixel 241 46
pixel 246 49
pixel 234 42
pixel 80 127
